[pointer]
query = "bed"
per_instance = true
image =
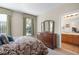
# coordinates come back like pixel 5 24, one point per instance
pixel 24 45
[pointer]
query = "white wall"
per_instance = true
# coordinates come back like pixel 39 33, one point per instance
pixel 56 15
pixel 17 24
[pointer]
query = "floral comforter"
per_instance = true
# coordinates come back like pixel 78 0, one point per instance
pixel 24 46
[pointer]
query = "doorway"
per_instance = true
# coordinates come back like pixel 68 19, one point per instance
pixel 70 32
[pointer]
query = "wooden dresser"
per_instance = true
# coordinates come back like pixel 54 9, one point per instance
pixel 49 39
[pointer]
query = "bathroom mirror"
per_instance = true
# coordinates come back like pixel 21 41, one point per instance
pixel 71 23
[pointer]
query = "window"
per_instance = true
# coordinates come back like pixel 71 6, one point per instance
pixel 3 23
pixel 28 26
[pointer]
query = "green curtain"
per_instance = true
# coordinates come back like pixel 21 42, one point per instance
pixel 24 26
pixel 9 25
pixel 34 26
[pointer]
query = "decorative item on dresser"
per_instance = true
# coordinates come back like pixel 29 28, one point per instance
pixel 47 35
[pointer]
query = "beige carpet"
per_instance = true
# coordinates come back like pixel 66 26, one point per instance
pixel 59 52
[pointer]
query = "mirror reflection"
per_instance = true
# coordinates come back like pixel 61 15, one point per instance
pixel 47 26
pixel 71 23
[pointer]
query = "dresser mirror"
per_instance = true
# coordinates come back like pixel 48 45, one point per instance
pixel 47 26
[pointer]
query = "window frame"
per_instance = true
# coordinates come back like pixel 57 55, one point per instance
pixel 8 24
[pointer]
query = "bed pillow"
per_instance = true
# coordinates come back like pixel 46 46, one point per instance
pixel 10 38
pixel 4 39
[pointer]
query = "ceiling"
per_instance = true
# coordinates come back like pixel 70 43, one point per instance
pixel 31 8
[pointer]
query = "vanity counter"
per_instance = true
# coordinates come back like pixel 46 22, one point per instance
pixel 70 33
pixel 71 38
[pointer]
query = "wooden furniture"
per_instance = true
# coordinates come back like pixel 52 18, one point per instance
pixel 69 38
pixel 47 35
pixel 49 39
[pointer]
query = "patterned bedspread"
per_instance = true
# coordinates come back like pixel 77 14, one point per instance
pixel 24 46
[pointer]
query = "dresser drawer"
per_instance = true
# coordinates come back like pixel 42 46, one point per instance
pixel 49 39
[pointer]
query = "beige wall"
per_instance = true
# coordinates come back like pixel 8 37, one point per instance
pixel 17 24
pixel 56 15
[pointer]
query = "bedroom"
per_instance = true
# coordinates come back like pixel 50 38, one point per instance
pixel 26 18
